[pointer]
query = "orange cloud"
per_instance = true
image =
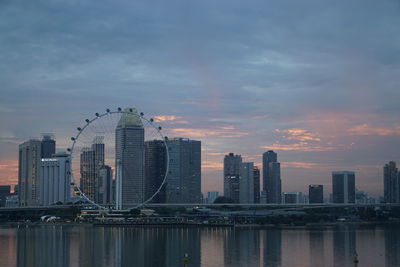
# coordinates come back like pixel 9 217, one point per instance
pixel 301 146
pixel 211 166
pixel 170 118
pixel 299 135
pixel 365 129
pixel 8 171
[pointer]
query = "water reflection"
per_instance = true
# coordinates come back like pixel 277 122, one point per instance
pixel 272 240
pixel 344 245
pixel 392 245
pixel 317 247
pixel 78 246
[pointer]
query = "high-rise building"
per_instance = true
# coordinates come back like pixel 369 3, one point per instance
pixel 184 177
pixel 256 175
pixel 29 159
pixel 272 177
pixel 232 176
pixel 88 173
pixel 48 146
pixel 316 193
pixel 155 168
pixel 343 187
pixel 391 182
pixel 246 185
pixel 104 186
pixel 129 156
pixel 5 190
pixel 55 179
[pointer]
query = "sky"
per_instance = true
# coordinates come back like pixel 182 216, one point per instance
pixel 316 81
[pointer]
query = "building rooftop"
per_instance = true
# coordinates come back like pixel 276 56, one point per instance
pixel 130 117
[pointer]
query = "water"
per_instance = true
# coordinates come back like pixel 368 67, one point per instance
pixel 53 245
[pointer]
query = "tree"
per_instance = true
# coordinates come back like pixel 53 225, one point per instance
pixel 222 199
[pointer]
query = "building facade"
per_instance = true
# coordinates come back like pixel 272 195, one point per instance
pixel 92 159
pixel 105 186
pixel 29 160
pixel 129 154
pixel 48 148
pixel 212 196
pixel 184 177
pixel 55 179
pixel 232 176
pixel 315 194
pixel 155 168
pixel 343 187
pixel 5 190
pixel 292 197
pixel 246 185
pixel 391 180
pixel 256 177
pixel 272 177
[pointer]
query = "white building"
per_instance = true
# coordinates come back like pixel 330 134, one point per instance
pixel 55 179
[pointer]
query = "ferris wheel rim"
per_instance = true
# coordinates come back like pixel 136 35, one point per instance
pixel 99 116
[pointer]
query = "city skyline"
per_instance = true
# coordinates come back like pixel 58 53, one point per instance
pixel 314 87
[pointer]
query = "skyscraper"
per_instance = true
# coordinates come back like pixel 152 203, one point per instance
pixel 28 172
pixel 232 176
pixel 272 177
pixel 129 156
pixel 184 177
pixel 256 174
pixel 92 159
pixel 316 194
pixel 55 179
pixel 48 146
pixel 104 186
pixel 391 182
pixel 155 168
pixel 246 185
pixel 343 187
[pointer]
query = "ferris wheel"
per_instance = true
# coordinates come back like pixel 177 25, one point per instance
pixel 119 159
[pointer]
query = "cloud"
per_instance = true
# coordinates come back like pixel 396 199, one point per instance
pixel 171 119
pixel 365 129
pixel 301 146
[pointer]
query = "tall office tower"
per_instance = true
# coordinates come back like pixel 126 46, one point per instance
pixel 55 179
pixel 184 177
pixel 155 168
pixel 129 156
pixel 5 190
pixel 256 175
pixel 272 177
pixel 92 159
pixel 343 187
pixel 88 173
pixel 316 193
pixel 104 186
pixel 391 182
pixel 232 176
pixel 28 172
pixel 246 185
pixel 48 146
